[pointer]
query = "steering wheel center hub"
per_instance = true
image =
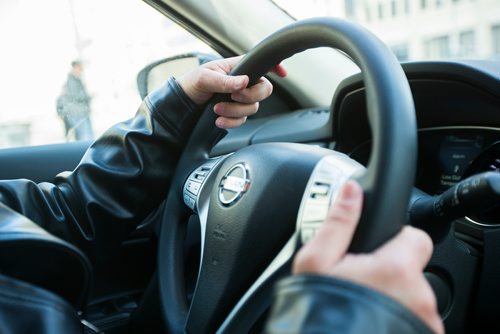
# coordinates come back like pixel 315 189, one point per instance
pixel 234 184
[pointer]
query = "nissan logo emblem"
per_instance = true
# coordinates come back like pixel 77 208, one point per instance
pixel 234 184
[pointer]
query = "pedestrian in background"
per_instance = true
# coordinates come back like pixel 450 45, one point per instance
pixel 73 105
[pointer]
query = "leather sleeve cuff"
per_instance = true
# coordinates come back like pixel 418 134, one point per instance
pixel 172 108
pixel 25 308
pixel 319 304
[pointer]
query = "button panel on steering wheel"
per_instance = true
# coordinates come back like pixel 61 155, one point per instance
pixel 325 181
pixel 195 182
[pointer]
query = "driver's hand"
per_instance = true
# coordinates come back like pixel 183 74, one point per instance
pixel 395 269
pixel 213 77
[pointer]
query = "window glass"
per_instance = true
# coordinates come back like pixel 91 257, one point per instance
pixel 350 8
pixel 438 47
pixel 368 14
pixel 380 11
pixel 401 51
pixel 495 38
pixel 407 6
pixel 430 29
pixel 466 40
pixel 69 67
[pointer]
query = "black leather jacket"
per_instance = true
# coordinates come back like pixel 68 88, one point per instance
pixel 125 175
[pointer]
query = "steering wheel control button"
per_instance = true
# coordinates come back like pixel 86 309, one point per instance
pixel 315 211
pixel 319 190
pixel 193 187
pixel 196 180
pixel 234 184
pixel 309 230
pixel 202 172
pixel 189 201
pixel 307 234
pixel 325 181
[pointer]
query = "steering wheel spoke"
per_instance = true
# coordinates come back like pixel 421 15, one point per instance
pixel 252 207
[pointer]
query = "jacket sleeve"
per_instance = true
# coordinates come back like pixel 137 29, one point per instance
pixel 319 304
pixel 123 176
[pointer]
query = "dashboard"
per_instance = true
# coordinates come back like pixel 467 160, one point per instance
pixel 457 107
pixel 448 154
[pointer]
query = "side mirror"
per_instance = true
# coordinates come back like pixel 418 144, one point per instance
pixel 155 74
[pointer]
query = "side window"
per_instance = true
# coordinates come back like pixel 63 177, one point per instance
pixel 68 68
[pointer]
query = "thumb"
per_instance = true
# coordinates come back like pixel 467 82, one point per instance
pixel 332 240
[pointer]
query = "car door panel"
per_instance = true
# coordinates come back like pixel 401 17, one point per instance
pixel 40 163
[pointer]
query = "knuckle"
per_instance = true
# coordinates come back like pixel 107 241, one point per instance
pixel 398 268
pixel 424 242
pixel 225 84
pixel 420 241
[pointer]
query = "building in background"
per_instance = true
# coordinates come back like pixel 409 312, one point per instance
pixel 418 29
pixel 432 29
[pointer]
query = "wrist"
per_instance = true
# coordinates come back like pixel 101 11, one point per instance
pixel 185 84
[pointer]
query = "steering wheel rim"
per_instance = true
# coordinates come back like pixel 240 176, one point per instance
pixel 389 179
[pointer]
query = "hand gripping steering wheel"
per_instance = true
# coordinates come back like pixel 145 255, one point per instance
pixel 258 204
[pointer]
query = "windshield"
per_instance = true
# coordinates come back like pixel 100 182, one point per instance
pixel 417 29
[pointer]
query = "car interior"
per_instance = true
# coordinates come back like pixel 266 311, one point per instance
pixel 422 137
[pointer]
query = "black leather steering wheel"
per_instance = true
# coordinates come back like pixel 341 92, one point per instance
pixel 248 202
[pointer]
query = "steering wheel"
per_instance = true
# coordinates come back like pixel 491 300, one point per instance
pixel 257 205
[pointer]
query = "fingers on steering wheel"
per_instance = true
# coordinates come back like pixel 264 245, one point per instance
pixel 280 70
pixel 258 92
pixel 215 82
pixel 229 122
pixel 224 65
pixel 235 109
